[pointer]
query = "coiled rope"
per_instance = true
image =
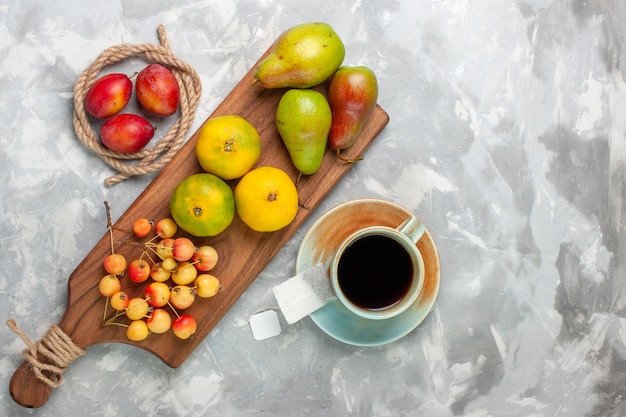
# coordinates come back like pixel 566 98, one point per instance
pixel 147 160
pixel 56 347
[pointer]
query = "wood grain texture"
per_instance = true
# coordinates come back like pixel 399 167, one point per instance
pixel 243 252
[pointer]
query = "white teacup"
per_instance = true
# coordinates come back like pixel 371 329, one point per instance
pixel 378 272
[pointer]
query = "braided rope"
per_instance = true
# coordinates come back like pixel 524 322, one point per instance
pixel 55 346
pixel 155 158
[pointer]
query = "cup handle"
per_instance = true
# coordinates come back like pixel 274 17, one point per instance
pixel 413 228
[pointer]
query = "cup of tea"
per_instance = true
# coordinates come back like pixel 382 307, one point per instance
pixel 378 271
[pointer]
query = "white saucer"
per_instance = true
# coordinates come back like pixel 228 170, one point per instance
pixel 319 245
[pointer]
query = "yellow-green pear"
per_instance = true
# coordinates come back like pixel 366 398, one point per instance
pixel 301 57
pixel 303 120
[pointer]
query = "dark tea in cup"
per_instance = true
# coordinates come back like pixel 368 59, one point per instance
pixel 375 272
pixel 378 272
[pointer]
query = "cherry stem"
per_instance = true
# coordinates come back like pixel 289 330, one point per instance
pixel 129 242
pixel 109 224
pixel 152 239
pixel 173 309
pixel 106 304
pixel 145 252
pixel 111 320
pixel 115 323
pixel 151 247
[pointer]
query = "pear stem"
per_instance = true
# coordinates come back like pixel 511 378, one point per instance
pixel 349 160
pixel 300 203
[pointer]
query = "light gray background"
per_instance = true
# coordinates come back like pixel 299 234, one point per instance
pixel 506 137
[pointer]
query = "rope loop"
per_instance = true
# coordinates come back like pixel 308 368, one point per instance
pixel 153 159
pixel 57 350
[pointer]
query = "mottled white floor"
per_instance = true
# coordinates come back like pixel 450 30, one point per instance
pixel 506 137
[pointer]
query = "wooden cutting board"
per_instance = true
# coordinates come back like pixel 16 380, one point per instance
pixel 243 252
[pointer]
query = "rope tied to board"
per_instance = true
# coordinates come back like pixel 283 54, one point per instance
pixel 147 160
pixel 56 347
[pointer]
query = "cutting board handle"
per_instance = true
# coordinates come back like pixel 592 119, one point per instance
pixel 26 389
pixel 45 361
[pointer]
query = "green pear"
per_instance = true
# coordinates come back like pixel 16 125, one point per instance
pixel 301 57
pixel 303 120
